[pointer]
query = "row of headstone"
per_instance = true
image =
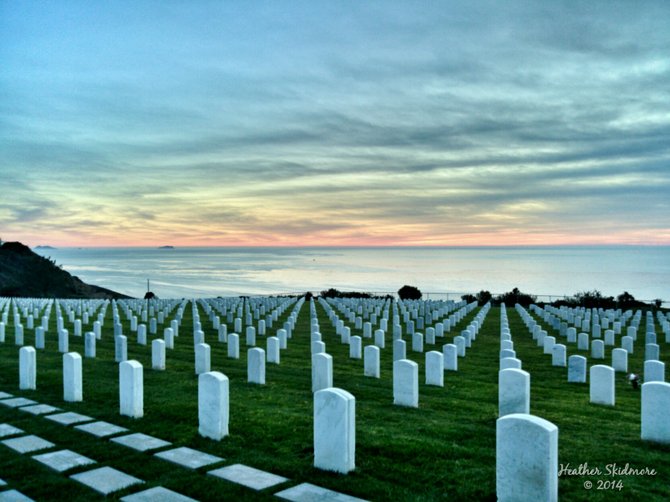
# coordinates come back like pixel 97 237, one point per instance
pixel 619 356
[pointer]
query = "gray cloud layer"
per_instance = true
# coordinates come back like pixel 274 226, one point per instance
pixel 289 122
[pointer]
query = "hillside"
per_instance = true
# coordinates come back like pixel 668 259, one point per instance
pixel 26 274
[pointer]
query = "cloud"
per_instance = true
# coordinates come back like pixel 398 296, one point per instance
pixel 330 123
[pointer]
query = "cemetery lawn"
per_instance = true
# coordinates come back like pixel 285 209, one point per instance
pixel 445 449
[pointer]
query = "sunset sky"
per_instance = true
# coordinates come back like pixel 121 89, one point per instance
pixel 334 123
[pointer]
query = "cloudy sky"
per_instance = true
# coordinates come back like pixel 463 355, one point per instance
pixel 335 123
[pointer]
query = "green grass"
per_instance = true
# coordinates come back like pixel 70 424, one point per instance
pixel 445 449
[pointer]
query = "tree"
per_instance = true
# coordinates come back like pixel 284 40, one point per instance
pixel 483 297
pixel 515 296
pixel 627 301
pixel 594 299
pixel 409 293
pixel 331 293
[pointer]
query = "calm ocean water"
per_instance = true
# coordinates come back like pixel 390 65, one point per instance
pixel 191 272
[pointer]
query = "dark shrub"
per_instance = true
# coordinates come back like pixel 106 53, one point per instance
pixel 515 296
pixel 409 293
pixel 483 297
pixel 594 299
pixel 627 301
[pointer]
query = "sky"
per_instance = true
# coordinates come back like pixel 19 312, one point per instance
pixel 289 123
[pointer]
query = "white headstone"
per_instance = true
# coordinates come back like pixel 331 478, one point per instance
pixel 234 346
pixel 89 344
pixel 583 341
pixel 273 350
pixel 158 354
pixel 406 383
pixel 72 377
pixel 651 352
pixel 602 385
pixel 549 342
pixel 63 341
pixel 202 358
pixel 213 405
pixel 417 342
pixel 168 337
pixel 39 337
pixel 435 368
pixel 380 338
pixel 620 360
pixel 346 334
pixel 526 459
pixel 198 337
pixel 450 356
pixel 598 349
pixel 334 430
pixel 223 333
pixel 322 371
pixel 141 334
pixel 131 389
pixel 251 336
pixel 367 330
pixel 282 334
pixel 558 355
pixel 654 371
pixel 120 348
pixel 513 391
pixel 256 366
pixel 399 349
pixel 430 336
pixel 371 361
pixel 355 344
pixel 27 368
pixel 577 369
pixel 459 341
pixel 18 335
pixel 510 362
pixel 655 411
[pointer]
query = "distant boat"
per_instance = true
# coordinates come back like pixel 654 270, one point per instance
pixel 44 247
pixel 166 247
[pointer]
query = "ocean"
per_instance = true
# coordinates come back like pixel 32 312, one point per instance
pixel 439 272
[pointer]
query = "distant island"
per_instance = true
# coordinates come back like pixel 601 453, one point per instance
pixel 44 247
pixel 166 247
pixel 24 273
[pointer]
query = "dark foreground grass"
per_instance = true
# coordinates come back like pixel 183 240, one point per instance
pixel 443 450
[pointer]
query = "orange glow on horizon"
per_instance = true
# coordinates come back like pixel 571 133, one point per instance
pixel 455 240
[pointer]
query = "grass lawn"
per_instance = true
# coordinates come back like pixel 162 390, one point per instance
pixel 445 449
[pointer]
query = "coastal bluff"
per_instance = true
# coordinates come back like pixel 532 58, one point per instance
pixel 24 273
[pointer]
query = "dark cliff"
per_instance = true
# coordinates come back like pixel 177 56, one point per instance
pixel 26 274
